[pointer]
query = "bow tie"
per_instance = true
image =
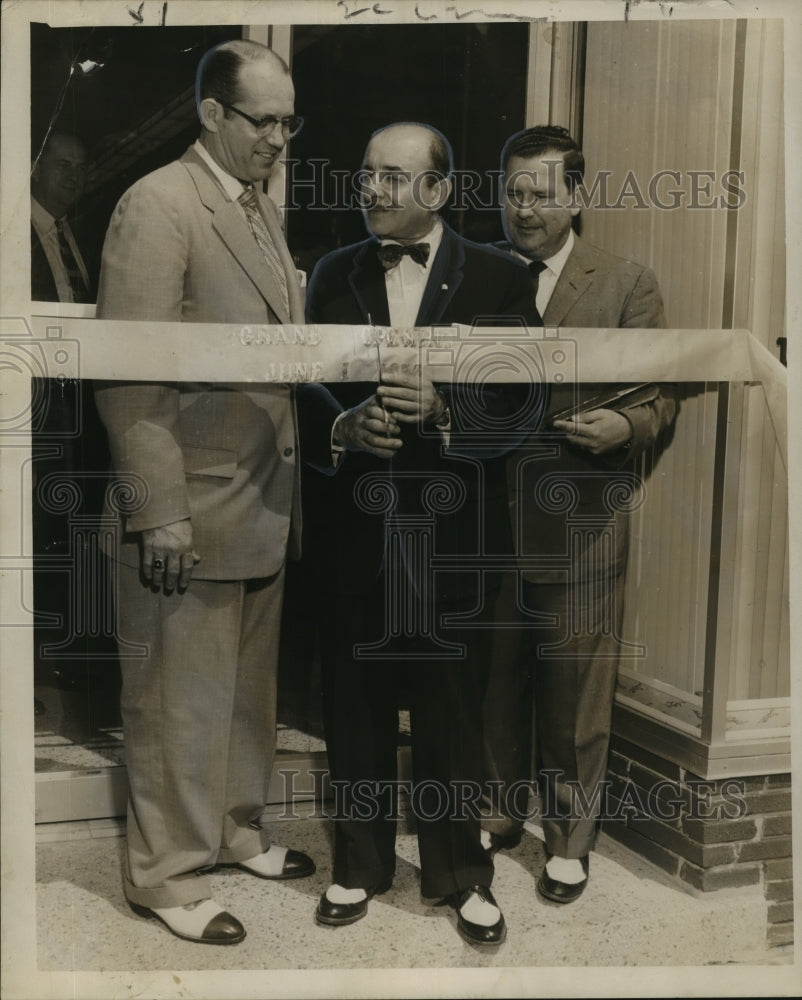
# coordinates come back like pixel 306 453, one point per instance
pixel 391 253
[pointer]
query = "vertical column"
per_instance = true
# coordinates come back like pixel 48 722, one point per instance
pixel 408 571
pixel 92 578
pixel 590 549
pixel 555 74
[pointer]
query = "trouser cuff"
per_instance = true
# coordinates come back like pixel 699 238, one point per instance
pixel 175 892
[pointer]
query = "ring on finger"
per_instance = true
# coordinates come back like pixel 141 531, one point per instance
pixel 158 564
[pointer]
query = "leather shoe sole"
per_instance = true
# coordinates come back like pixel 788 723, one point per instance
pixel 478 933
pixel 222 929
pixel 296 865
pixel 340 914
pixel 562 892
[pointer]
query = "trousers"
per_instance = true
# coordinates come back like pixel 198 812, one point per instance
pixel 361 700
pixel 199 725
pixel 560 667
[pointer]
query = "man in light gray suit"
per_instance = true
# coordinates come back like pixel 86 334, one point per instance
pixel 571 656
pixel 201 561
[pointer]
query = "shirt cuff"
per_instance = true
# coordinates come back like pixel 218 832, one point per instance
pixel 444 423
pixel 336 449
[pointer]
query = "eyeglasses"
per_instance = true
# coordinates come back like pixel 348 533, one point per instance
pixel 290 126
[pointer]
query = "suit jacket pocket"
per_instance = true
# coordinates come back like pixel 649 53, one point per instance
pixel 210 462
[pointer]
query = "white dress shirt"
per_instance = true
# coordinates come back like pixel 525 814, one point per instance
pixel 406 282
pixel 45 226
pixel 230 184
pixel 551 273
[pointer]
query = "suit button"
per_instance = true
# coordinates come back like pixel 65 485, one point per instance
pixel 287 452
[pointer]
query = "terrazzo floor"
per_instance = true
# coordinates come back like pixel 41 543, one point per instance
pixel 630 914
pixel 631 922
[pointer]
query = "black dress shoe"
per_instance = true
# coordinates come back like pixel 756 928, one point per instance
pixel 562 892
pixel 478 933
pixel 503 842
pixel 221 929
pixel 340 914
pixel 296 865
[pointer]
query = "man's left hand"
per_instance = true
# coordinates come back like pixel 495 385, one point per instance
pixel 410 400
pixel 598 431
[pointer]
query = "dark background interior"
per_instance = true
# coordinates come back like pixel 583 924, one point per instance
pixel 135 113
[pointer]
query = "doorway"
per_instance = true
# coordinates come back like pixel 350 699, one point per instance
pixel 468 80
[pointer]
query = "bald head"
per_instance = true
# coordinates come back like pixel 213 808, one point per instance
pixel 58 176
pixel 405 181
pixel 425 138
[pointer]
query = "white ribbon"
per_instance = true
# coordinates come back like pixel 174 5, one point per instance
pixel 210 352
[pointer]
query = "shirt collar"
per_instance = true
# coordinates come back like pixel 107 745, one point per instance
pixel 556 262
pixel 40 216
pixel 230 184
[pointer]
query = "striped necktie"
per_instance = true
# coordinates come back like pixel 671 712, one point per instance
pixel 259 229
pixel 80 293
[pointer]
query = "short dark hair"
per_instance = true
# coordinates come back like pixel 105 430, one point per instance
pixel 58 132
pixel 440 154
pixel 219 69
pixel 547 139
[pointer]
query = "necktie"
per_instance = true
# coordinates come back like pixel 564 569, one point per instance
pixel 74 274
pixel 535 269
pixel 391 253
pixel 248 201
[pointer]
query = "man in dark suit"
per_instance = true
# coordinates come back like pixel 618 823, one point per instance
pixel 201 559
pixel 572 653
pixel 58 271
pixel 412 271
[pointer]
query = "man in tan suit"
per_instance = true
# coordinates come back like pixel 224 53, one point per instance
pixel 201 558
pixel 572 604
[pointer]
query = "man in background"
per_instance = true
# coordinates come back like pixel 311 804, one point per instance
pixel 59 274
pixel 570 666
pixel 201 559
pixel 58 271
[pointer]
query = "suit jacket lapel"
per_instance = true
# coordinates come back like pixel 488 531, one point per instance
pixel 444 279
pixel 572 284
pixel 233 229
pixel 367 283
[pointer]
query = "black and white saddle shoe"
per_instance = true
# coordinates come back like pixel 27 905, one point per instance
pixel 279 863
pixel 563 892
pixel 474 933
pixel 503 842
pixel 340 914
pixel 203 921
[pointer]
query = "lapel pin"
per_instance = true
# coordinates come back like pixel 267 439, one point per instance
pixel 444 288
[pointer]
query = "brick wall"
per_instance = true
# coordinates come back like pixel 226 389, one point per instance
pixel 709 834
